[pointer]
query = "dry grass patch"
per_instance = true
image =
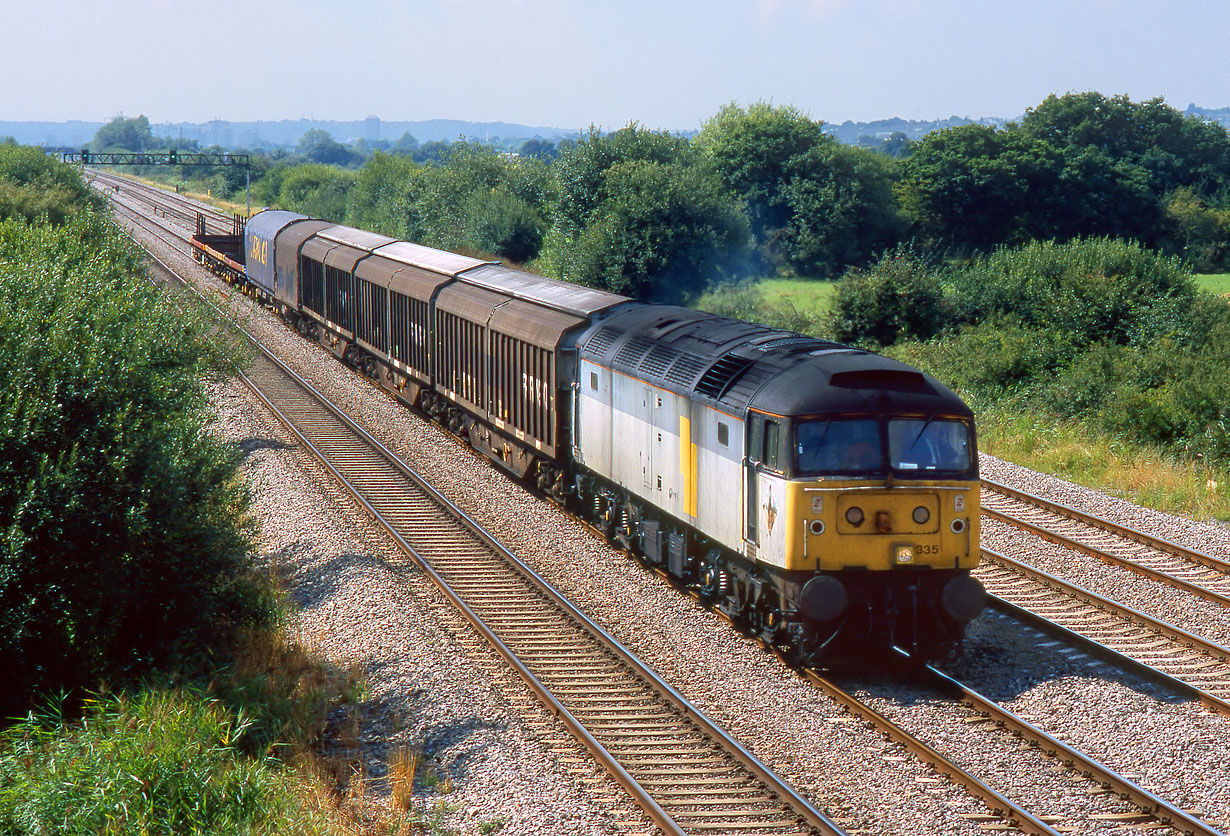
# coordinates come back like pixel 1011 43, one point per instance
pixel 1138 473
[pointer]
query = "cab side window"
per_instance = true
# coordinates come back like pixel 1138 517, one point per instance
pixel 772 443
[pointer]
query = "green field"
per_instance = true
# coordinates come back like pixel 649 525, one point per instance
pixel 810 296
pixel 814 296
pixel 1218 283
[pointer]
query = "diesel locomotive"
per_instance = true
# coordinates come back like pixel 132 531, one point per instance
pixel 823 497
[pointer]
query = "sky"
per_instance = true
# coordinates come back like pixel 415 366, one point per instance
pixel 669 64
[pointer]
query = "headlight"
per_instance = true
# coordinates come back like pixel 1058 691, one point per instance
pixel 854 516
pixel 921 515
pixel 817 526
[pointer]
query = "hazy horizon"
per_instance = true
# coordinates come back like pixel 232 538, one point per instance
pixel 568 65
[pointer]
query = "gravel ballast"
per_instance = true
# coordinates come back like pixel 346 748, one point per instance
pixel 363 613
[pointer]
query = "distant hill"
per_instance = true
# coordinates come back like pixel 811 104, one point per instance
pixel 286 133
pixel 851 132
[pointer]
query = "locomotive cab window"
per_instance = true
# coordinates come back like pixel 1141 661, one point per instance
pixel 838 445
pixel 593 381
pixel 772 441
pixel 723 434
pixel 928 444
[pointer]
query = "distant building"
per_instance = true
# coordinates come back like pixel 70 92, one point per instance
pixel 371 128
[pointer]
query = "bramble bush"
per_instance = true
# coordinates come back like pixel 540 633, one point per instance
pixel 125 538
pixel 1101 331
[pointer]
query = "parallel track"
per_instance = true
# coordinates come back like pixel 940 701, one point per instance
pixel 1160 560
pixel 169 205
pixel 1181 660
pixel 1147 806
pixel 685 772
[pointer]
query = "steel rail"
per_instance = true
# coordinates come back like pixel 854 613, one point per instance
pixel 1094 647
pixel 1108 526
pixel 792 801
pixel 1108 557
pixel 999 804
pixel 1210 684
pixel 1156 806
pixel 1172 632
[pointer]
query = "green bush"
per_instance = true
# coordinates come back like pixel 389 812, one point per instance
pixel 316 190
pixel 124 539
pixel 664 233
pixel 1094 289
pixel 899 297
pixel 504 224
pixel 33 185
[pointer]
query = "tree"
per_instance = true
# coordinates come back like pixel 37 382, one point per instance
pixel 754 150
pixel 841 209
pixel 540 149
pixel 405 145
pixel 664 231
pixel 581 169
pixel 814 204
pixel 316 190
pixel 1174 149
pixel 125 134
pixel 432 152
pixel 319 146
pixel 377 202
pixel 978 186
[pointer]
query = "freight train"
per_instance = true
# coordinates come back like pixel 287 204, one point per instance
pixel 825 498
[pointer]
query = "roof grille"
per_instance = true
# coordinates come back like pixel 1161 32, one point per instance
pixel 601 342
pixel 659 359
pixel 721 375
pixel 684 370
pixel 633 350
pixel 799 343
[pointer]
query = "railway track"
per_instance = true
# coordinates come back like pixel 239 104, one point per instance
pixel 1160 560
pixel 1164 652
pixel 169 206
pixel 1128 804
pixel 685 772
pixel 657 744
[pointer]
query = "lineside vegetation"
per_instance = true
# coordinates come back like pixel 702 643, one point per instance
pixel 147 685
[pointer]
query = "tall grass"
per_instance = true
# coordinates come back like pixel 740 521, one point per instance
pixel 1139 473
pixel 164 761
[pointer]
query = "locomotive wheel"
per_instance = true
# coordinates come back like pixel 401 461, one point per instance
pixel 709 576
pixel 768 620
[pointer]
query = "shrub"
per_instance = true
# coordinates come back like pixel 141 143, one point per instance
pixel 663 233
pixel 162 762
pixel 899 297
pixel 124 541
pixel 1093 289
pixel 316 190
pixel 33 185
pixel 504 224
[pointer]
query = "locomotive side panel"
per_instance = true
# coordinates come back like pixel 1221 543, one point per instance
pixel 717 451
pixel 594 418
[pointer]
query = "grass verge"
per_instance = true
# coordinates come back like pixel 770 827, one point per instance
pixel 1133 472
pixel 238 752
